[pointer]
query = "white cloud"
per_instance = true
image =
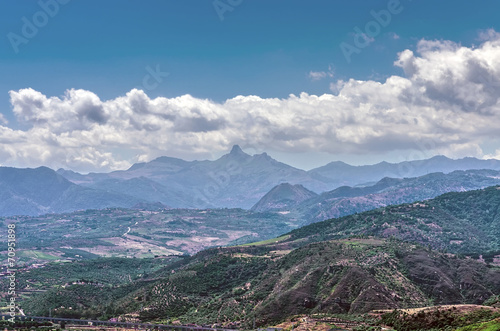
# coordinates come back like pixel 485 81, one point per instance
pixel 319 75
pixel 448 100
pixel 488 34
pixel 394 35
pixel 3 120
pixel 495 155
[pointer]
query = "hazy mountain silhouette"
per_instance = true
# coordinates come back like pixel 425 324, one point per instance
pixel 340 173
pixel 238 179
pixel 234 180
pixel 42 190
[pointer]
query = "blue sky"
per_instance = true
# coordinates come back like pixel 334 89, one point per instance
pixel 264 48
pixel 269 49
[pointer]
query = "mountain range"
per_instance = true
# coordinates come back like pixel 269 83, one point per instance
pixel 235 180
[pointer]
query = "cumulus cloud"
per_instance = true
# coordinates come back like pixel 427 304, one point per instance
pixel 447 102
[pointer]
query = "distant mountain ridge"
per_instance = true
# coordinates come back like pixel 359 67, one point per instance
pixel 340 173
pixel 235 180
pixel 42 190
pixel 240 180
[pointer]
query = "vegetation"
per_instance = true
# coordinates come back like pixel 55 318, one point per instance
pixel 117 232
pixel 466 223
pixel 483 326
pixel 26 325
pixel 494 301
pixel 439 319
pixel 102 278
pixel 271 282
pixel 268 241
pixel 377 260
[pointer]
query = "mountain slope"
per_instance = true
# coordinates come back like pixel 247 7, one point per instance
pixel 42 190
pixel 465 222
pixel 147 190
pixel 283 197
pixel 389 191
pixel 269 283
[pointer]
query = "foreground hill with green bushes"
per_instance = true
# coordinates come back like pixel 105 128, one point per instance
pixel 272 282
pixel 405 256
pixel 465 222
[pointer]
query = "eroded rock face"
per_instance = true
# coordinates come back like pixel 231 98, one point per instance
pixel 274 281
pixel 359 276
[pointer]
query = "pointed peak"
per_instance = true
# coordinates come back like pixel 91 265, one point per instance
pixel 236 153
pixel 283 185
pixel 339 163
pixel 236 150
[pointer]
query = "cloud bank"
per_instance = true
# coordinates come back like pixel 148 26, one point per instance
pixel 448 98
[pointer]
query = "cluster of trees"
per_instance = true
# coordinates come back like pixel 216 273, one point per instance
pixel 435 319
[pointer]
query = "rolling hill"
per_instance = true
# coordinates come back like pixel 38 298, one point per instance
pixel 464 222
pixel 380 259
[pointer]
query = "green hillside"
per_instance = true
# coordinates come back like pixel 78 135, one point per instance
pixel 271 283
pixel 340 267
pixel 465 222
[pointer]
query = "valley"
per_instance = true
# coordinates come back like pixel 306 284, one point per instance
pixel 138 233
pixel 270 282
